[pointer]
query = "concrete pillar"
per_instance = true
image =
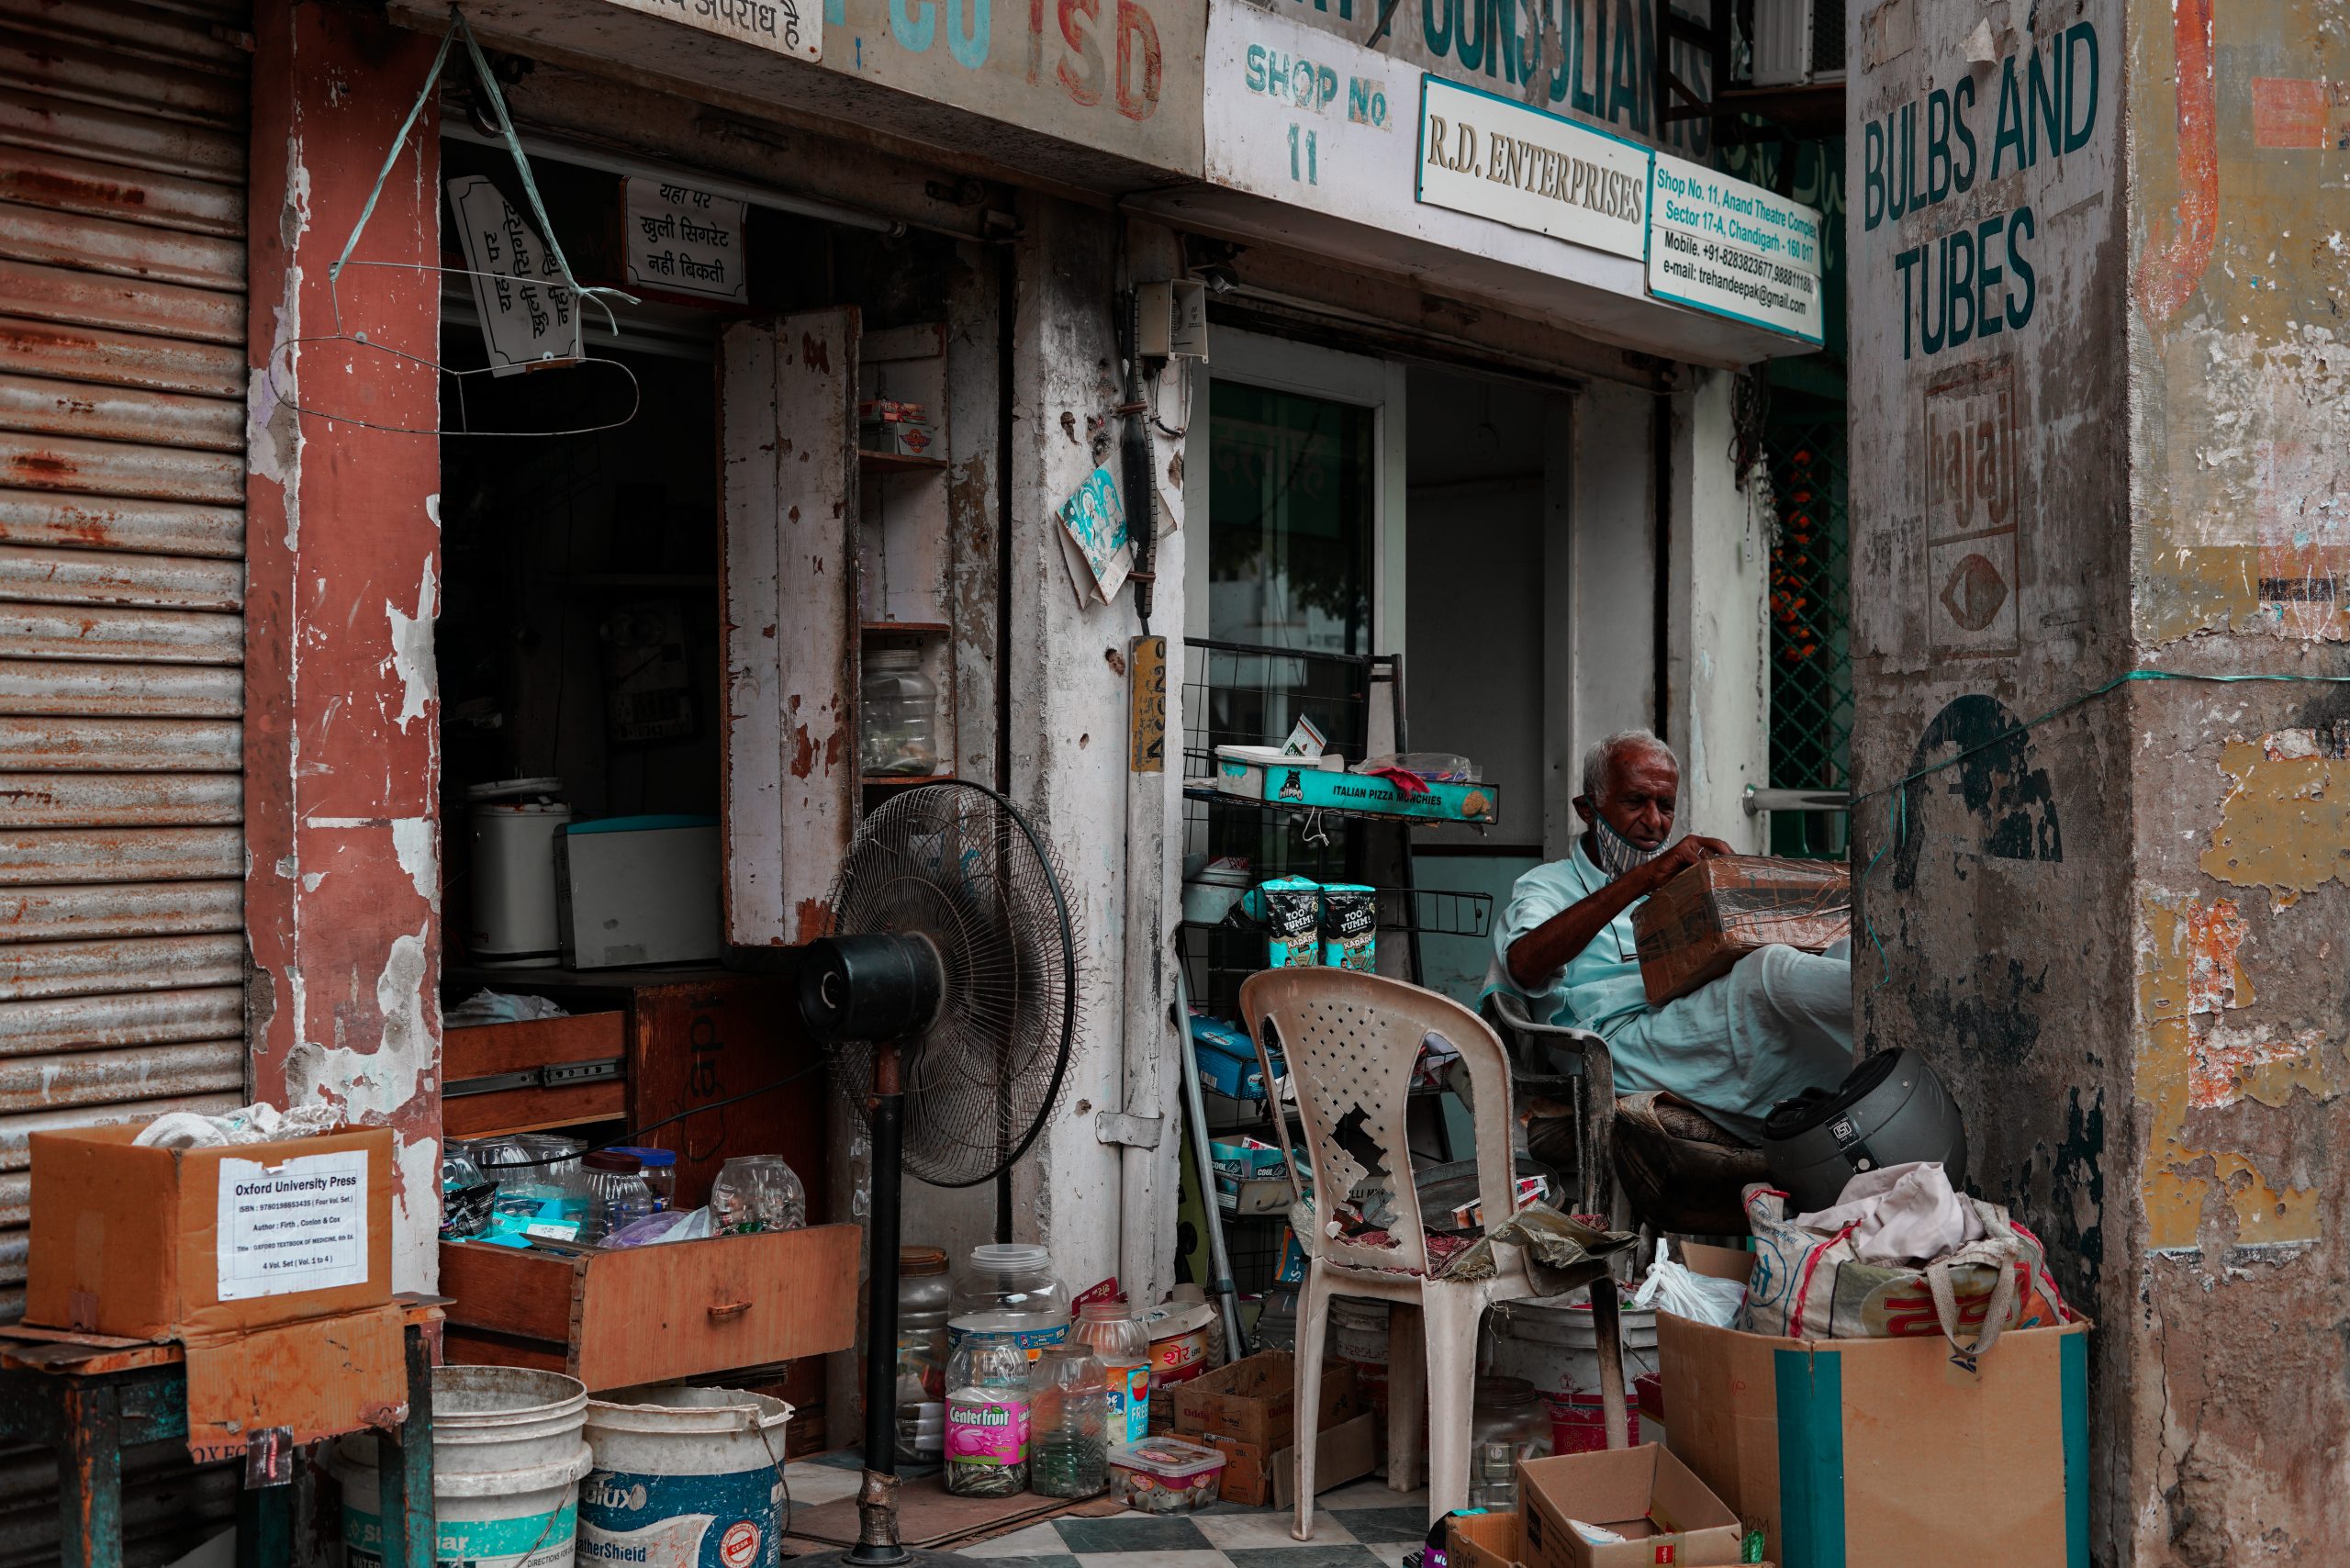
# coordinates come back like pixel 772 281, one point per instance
pixel 342 887
pixel 1104 1207
pixel 1718 702
pixel 2101 424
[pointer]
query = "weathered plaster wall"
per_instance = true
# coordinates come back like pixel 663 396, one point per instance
pixel 2239 364
pixel 1104 1207
pixel 1989 586
pixel 342 887
pixel 1718 704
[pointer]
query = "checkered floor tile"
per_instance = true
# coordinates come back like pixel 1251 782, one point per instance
pixel 1362 1525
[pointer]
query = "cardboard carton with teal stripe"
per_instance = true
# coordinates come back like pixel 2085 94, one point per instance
pixel 1846 1454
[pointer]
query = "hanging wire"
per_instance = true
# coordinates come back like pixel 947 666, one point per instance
pixel 560 282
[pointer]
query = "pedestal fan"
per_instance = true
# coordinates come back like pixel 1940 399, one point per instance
pixel 948 997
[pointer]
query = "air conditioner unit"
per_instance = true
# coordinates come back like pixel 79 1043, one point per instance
pixel 1799 42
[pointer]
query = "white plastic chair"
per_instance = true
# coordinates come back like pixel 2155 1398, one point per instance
pixel 1349 1041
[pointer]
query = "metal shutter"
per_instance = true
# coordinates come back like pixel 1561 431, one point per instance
pixel 123 142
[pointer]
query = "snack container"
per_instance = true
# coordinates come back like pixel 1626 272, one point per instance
pixel 1166 1476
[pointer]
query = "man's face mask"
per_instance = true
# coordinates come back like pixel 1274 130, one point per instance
pixel 1616 854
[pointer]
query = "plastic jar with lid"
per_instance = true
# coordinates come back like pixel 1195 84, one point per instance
pixel 659 1168
pixel 897 715
pixel 1508 1422
pixel 1010 1290
pixel 1068 1449
pixel 1114 1331
pixel 617 1194
pixel 924 1300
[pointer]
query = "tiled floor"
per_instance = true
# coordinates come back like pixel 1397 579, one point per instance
pixel 1360 1526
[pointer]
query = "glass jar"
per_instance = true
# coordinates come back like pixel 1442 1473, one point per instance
pixel 1011 1290
pixel 659 1168
pixel 897 715
pixel 986 1418
pixel 1068 1415
pixel 757 1192
pixel 617 1194
pixel 1508 1422
pixel 1114 1332
pixel 924 1300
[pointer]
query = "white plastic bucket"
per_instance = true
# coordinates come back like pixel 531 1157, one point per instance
pixel 1358 1330
pixel 507 1459
pixel 1551 1344
pixel 684 1478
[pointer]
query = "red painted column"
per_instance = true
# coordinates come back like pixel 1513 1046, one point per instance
pixel 342 882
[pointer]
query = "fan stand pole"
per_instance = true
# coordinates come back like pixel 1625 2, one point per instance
pixel 878 1545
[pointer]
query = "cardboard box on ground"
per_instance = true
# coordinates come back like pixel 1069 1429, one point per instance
pixel 1644 1494
pixel 1248 1410
pixel 1886 1451
pixel 1697 927
pixel 270 1262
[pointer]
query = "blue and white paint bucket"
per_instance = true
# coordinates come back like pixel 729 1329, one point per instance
pixel 684 1478
pixel 507 1459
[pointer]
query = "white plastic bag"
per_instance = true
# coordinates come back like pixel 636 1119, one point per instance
pixel 669 1225
pixel 1700 1298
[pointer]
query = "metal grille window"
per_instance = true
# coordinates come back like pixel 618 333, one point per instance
pixel 1811 661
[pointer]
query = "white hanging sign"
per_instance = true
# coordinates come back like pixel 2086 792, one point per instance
pixel 1496 158
pixel 297 1225
pixel 1723 245
pixel 685 241
pixel 788 27
pixel 524 325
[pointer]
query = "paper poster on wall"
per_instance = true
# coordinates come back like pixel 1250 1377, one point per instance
pixel 297 1225
pixel 1094 520
pixel 524 325
pixel 685 241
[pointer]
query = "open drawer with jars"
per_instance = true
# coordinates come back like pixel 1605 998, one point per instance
pixel 621 1315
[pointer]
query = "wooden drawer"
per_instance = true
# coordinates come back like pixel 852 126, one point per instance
pixel 649 1314
pixel 493 1050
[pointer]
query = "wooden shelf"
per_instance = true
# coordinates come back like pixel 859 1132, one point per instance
pixel 898 463
pixel 905 628
pixel 903 780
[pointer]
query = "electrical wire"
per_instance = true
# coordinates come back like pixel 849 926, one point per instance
pixel 1896 794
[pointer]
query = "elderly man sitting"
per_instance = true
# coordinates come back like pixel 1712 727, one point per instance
pixel 1778 1024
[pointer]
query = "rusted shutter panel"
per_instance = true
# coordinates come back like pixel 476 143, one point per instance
pixel 123 144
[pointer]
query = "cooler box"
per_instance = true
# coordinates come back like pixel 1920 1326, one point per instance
pixel 639 890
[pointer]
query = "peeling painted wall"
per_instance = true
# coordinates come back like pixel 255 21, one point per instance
pixel 2239 361
pixel 342 735
pixel 1985 226
pixel 2122 932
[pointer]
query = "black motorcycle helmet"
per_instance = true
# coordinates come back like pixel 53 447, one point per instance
pixel 1890 1110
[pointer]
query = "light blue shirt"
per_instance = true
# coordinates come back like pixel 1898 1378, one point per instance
pixel 1599 988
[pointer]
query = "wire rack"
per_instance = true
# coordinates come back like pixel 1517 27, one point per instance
pixel 1247 694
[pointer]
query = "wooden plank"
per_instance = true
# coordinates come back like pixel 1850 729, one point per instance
pixel 751 752
pixel 702 1040
pixel 653 1313
pixel 489 1048
pixel 510 1290
pixel 533 1110
pixel 465 1346
pixel 816 521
